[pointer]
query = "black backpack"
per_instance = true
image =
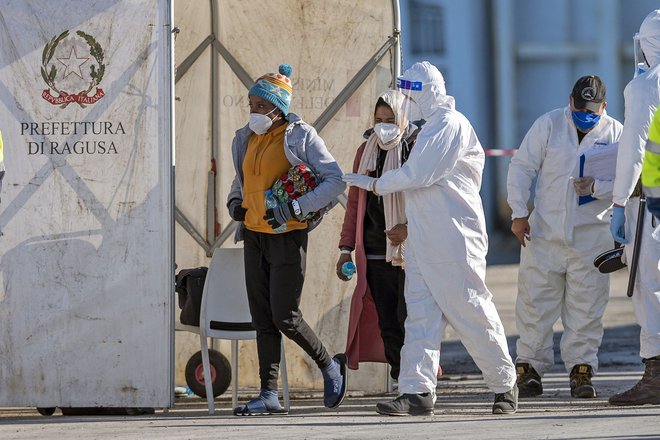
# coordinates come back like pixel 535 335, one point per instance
pixel 189 286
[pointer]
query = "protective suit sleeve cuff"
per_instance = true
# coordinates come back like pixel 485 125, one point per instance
pixel 620 201
pixel 519 214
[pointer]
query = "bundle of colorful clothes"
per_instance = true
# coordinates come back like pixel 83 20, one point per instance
pixel 299 180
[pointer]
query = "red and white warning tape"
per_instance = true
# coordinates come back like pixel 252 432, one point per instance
pixel 497 152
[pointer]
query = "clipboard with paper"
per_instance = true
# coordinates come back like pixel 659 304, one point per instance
pixel 600 163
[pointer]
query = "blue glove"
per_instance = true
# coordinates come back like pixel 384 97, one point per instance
pixel 359 180
pixel 617 225
pixel 279 215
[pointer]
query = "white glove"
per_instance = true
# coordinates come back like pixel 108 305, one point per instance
pixel 359 180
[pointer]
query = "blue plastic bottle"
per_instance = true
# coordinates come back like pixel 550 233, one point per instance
pixel 348 269
pixel 271 202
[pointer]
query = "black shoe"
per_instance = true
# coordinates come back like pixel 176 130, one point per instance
pixel 581 385
pixel 529 381
pixel 407 405
pixel 506 403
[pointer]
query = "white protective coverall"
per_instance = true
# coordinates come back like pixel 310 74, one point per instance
pixel 641 97
pixel 557 276
pixel 446 248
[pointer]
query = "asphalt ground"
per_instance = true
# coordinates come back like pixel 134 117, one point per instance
pixel 463 409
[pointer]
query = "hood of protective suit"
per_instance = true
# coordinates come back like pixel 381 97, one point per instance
pixel 649 37
pixel 433 94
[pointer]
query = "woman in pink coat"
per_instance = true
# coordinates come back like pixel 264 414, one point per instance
pixel 375 228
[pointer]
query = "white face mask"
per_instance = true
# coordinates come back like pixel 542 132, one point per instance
pixel 259 123
pixel 386 132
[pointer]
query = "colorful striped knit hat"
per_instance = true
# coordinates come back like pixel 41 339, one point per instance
pixel 275 88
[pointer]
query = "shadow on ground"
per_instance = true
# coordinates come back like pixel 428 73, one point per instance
pixel 619 350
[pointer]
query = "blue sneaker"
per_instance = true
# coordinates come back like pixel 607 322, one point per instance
pixel 334 381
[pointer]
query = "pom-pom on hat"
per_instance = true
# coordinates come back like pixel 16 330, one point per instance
pixel 275 88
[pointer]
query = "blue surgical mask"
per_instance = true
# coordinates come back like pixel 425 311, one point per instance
pixel 585 121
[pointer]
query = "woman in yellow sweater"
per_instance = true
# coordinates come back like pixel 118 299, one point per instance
pixel 275 237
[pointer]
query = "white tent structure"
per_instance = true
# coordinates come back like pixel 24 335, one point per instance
pixel 86 255
pixel 87 205
pixel 343 53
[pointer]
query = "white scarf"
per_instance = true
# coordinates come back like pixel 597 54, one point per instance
pixel 393 204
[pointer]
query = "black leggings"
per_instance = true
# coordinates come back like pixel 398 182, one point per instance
pixel 386 284
pixel 274 276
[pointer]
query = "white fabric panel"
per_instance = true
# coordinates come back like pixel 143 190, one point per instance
pixel 326 43
pixel 86 255
pixel 193 127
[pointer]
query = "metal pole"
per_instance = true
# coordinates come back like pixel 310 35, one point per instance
pixel 188 227
pixel 214 82
pixel 396 72
pixel 396 55
pixel 234 65
pixel 505 73
pixel 215 121
pixel 224 235
pixel 353 84
pixel 170 32
pixel 186 64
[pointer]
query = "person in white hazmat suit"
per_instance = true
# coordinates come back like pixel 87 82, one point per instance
pixel 568 227
pixel 445 252
pixel 641 97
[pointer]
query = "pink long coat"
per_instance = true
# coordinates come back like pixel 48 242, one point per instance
pixel 364 343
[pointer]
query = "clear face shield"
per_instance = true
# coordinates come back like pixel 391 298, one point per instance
pixel 641 65
pixel 411 91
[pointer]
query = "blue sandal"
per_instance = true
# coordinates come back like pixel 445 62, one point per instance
pixel 257 407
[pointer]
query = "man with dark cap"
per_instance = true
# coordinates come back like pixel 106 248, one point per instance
pixel 566 229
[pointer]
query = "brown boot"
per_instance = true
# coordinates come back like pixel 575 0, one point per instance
pixel 646 391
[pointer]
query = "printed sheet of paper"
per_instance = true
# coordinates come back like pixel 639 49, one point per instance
pixel 600 162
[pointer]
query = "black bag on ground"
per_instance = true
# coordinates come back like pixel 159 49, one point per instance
pixel 189 286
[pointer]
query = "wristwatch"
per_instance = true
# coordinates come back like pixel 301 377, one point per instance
pixel 296 208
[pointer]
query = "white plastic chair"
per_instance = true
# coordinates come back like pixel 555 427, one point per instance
pixel 225 314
